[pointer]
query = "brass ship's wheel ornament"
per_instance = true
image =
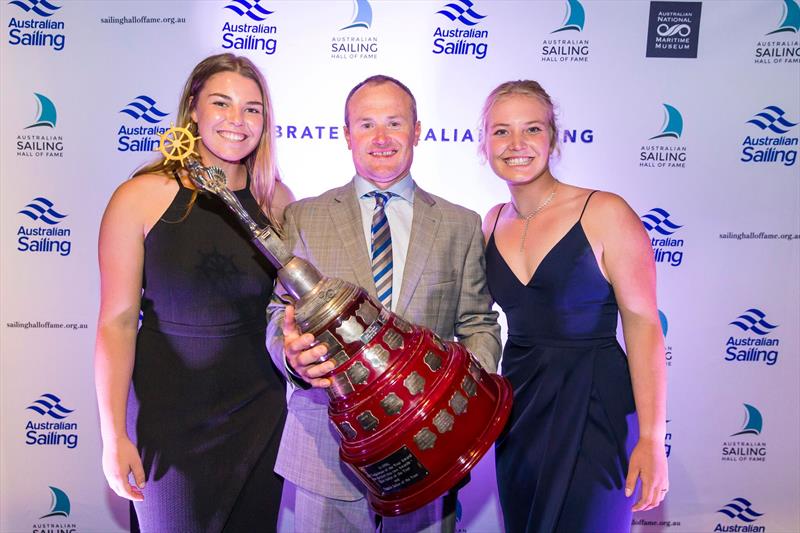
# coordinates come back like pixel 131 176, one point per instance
pixel 177 143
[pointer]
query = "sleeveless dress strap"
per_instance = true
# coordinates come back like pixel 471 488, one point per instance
pixel 497 218
pixel 586 204
pixel 178 179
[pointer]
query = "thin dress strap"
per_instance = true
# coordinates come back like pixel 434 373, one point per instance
pixel 586 204
pixel 178 179
pixel 497 218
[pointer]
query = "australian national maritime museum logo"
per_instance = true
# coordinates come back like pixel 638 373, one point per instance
pixel 775 143
pixel 462 36
pixel 674 29
pixel 38 141
pixel 665 149
pixel 142 128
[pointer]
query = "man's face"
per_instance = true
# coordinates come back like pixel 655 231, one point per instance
pixel 382 133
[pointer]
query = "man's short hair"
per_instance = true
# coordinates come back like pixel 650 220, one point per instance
pixel 379 79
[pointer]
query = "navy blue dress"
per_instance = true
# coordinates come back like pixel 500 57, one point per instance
pixel 562 462
pixel 206 408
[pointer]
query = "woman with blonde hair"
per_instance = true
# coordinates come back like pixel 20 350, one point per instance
pixel 562 261
pixel 191 408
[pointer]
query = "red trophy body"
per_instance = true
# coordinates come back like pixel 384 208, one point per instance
pixel 415 413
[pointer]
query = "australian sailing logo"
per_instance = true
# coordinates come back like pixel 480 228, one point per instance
pixel 40 30
pixel 39 142
pixel 666 248
pixel 662 153
pixel 773 145
pixel 461 38
pixel 50 428
pixel 47 235
pixel 781 45
pixel 249 33
pixel 561 48
pixel 754 344
pixel 355 40
pixel 144 135
pixel 740 510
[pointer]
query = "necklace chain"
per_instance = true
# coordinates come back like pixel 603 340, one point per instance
pixel 527 218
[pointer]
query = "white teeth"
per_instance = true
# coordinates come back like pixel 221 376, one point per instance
pixel 516 161
pixel 231 136
pixel 384 154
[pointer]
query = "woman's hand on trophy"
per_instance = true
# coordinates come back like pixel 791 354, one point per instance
pixel 303 354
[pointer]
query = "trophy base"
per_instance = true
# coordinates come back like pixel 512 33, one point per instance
pixel 398 504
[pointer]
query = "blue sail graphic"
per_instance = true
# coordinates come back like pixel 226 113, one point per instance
pixel 362 17
pixel 673 124
pixel 46 115
pixel 752 422
pixel 664 324
pixel 575 19
pixel 60 504
pixel 791 18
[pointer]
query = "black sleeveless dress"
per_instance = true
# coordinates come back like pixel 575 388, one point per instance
pixel 207 407
pixel 561 464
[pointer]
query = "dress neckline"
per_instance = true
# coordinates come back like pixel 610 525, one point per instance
pixel 545 258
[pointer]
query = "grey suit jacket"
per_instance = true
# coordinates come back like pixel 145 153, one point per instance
pixel 443 288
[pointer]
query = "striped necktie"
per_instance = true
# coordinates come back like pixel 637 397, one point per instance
pixel 382 249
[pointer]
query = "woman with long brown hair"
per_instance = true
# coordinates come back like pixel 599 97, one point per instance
pixel 191 408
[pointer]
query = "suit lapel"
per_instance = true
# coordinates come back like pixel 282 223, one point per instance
pixel 424 226
pixel 346 217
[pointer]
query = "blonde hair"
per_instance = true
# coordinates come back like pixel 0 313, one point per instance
pixel 260 163
pixel 526 88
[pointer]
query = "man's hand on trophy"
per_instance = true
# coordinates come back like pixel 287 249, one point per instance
pixel 303 354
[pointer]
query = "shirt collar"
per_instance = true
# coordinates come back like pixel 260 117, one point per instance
pixel 403 188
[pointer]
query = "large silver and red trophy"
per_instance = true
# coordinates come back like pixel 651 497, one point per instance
pixel 415 413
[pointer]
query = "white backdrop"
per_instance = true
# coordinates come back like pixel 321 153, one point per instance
pixel 726 223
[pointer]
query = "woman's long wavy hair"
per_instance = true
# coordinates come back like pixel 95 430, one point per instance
pixel 261 164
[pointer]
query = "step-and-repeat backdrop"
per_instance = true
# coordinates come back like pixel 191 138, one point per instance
pixel 690 110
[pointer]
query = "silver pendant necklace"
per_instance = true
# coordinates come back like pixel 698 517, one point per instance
pixel 527 218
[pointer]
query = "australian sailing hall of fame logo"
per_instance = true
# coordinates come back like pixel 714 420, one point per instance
pixel 53 519
pixel 37 25
pixel 461 37
pixel 746 444
pixel 37 141
pixel 559 48
pixel 50 424
pixel 248 32
pixel 665 150
pixel 775 143
pixel 143 136
pixel 781 45
pixel 755 343
pixel 354 40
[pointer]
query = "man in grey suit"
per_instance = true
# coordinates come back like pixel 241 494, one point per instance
pixel 434 276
